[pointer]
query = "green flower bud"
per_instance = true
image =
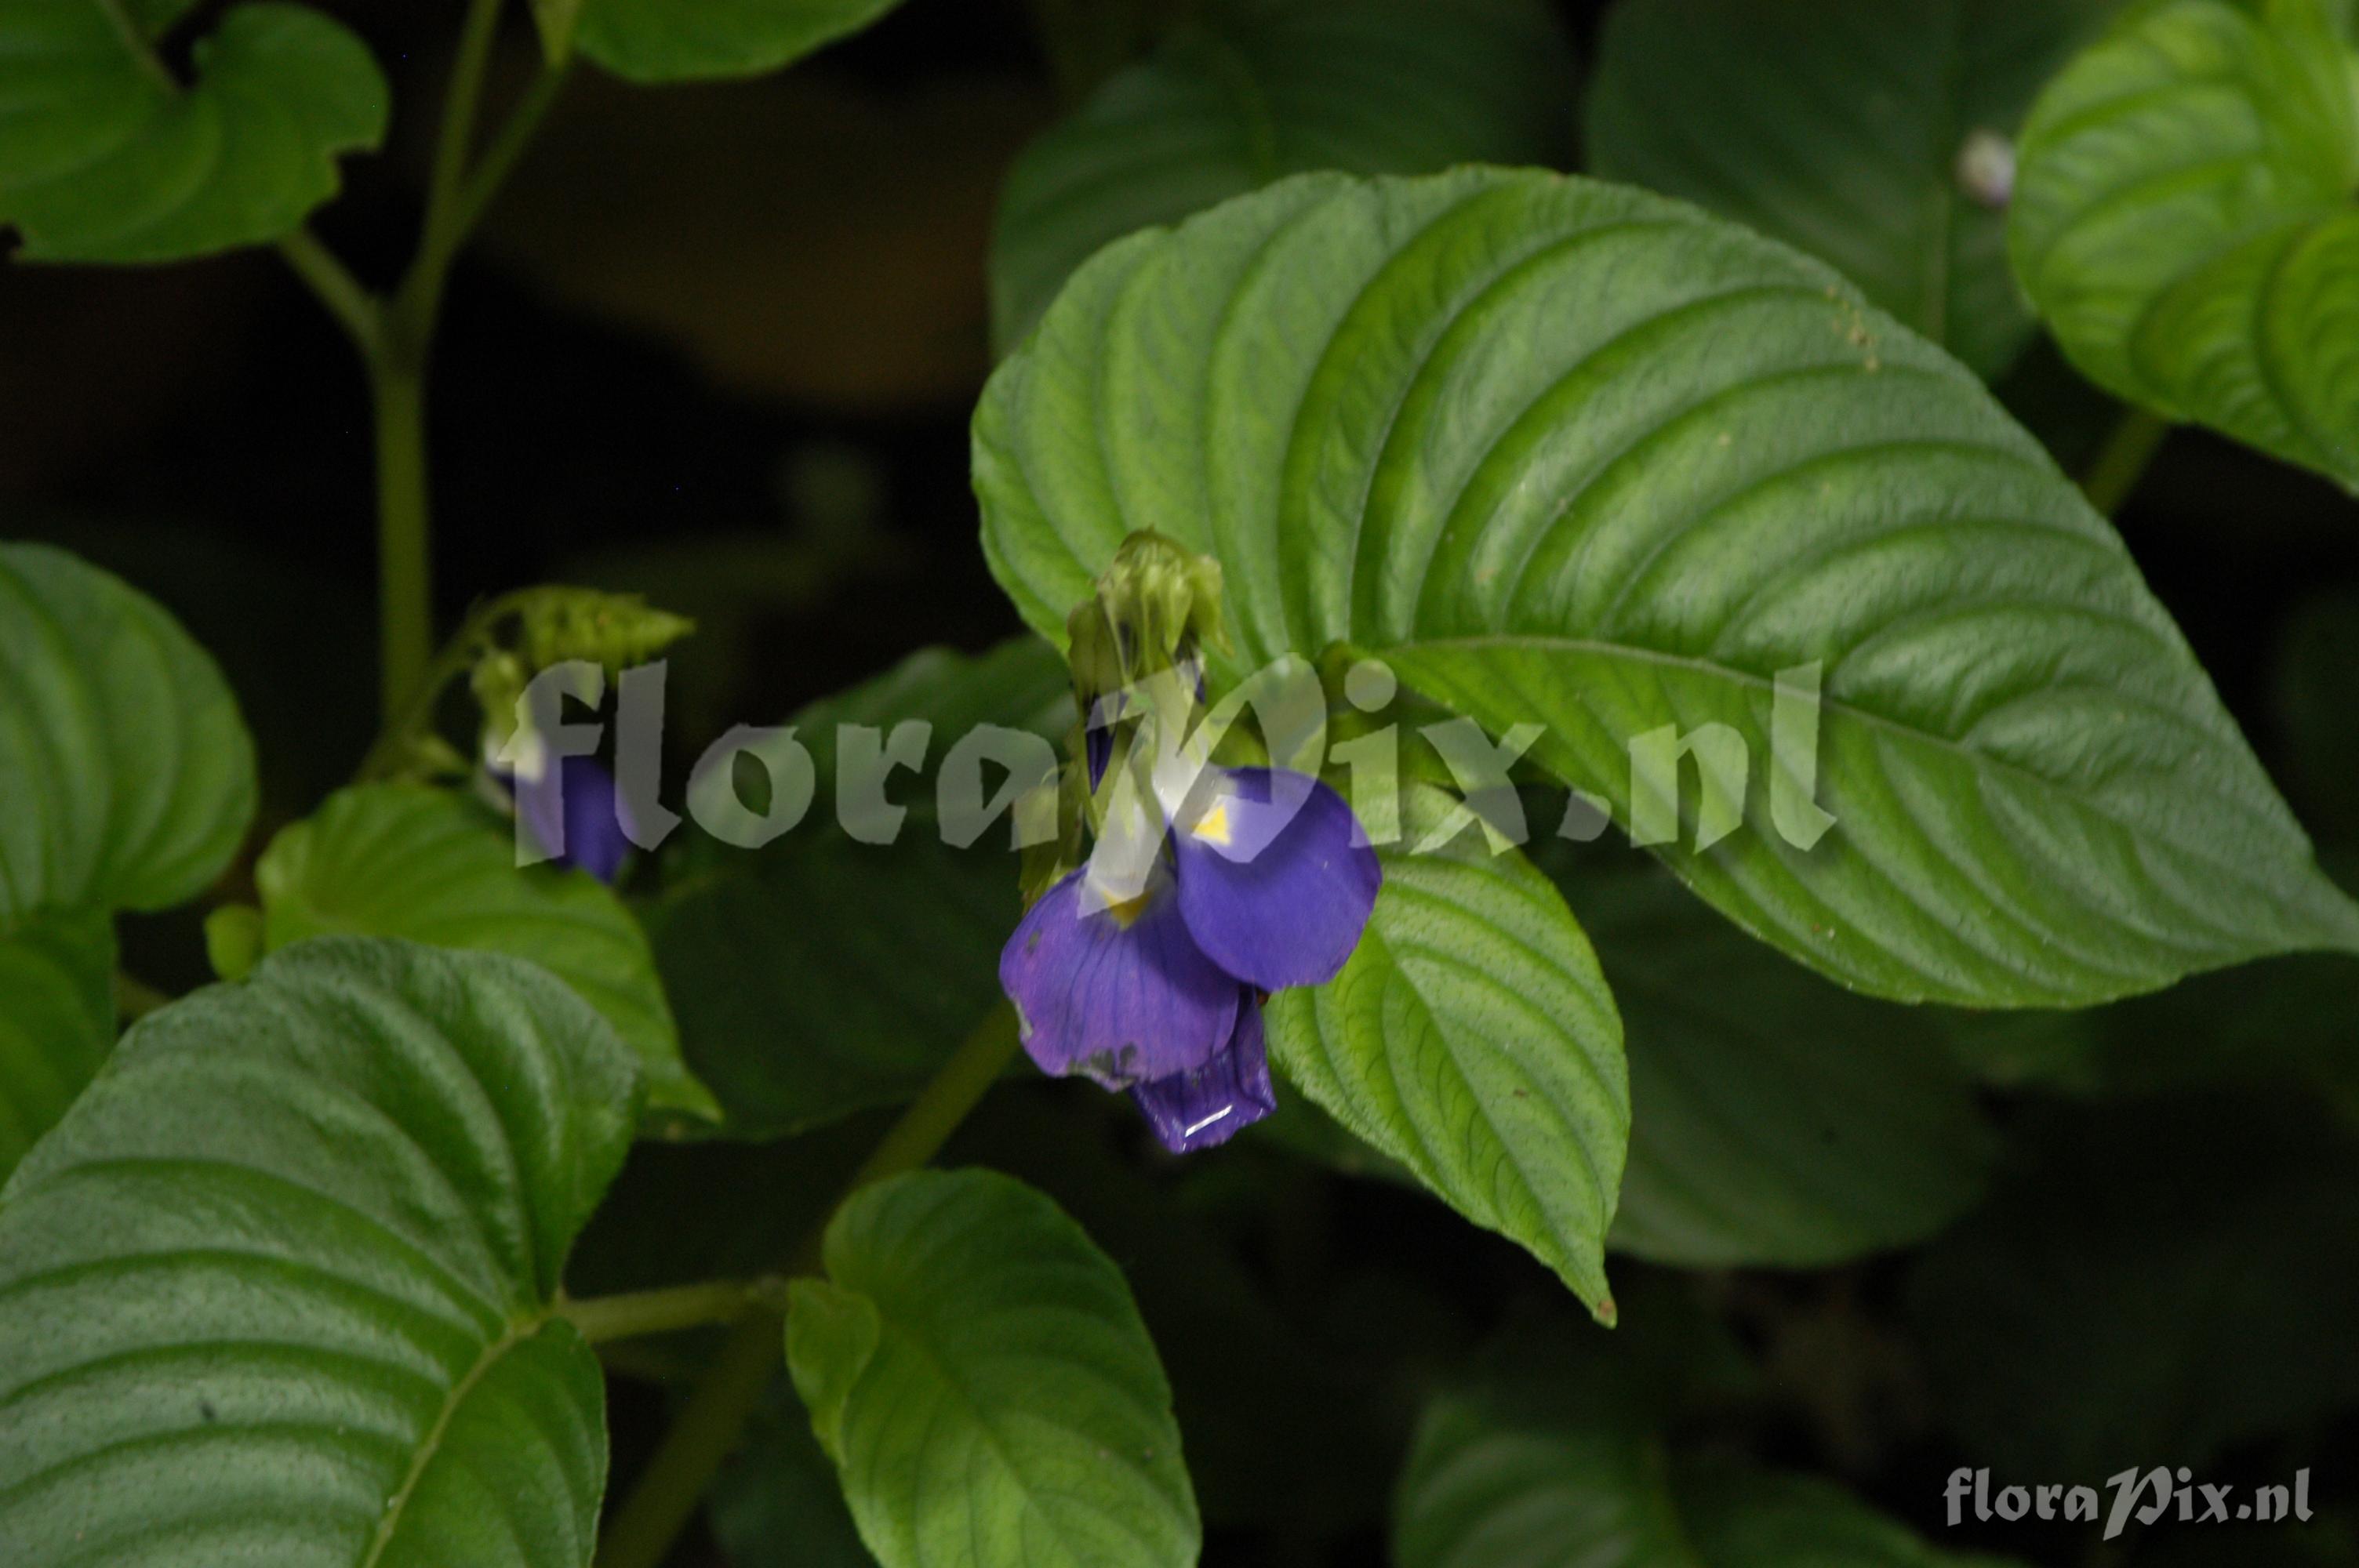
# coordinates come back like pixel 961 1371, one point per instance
pixel 1156 608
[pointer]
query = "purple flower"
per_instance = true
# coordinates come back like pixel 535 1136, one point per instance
pixel 571 808
pixel 1268 884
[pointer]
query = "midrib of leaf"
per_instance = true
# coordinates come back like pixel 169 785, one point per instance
pixel 1543 643
pixel 429 1446
pixel 135 43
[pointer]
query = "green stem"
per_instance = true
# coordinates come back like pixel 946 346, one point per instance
pixel 674 1480
pixel 135 997
pixel 506 148
pixel 393 749
pixel 405 565
pixel 359 312
pixel 2121 462
pixel 665 1311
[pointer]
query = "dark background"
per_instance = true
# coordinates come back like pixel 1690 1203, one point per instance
pixel 720 345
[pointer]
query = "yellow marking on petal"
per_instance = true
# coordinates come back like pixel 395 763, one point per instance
pixel 1125 913
pixel 1212 827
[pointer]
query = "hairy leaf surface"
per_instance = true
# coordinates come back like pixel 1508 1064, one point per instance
pixel 278 1288
pixel 1260 92
pixel 431 866
pixel 125 772
pixel 2185 221
pixel 1567 453
pixel 105 156
pixel 976 1369
pixel 1472 1038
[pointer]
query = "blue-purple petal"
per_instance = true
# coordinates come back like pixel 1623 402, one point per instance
pixel 574 811
pixel 1121 1002
pixel 1276 877
pixel 1207 1107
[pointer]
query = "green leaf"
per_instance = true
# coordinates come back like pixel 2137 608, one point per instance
pixel 1571 454
pixel 2156 1281
pixel 127 775
pixel 1526 1474
pixel 1838 126
pixel 278 1288
pixel 105 157
pixel 2184 223
pixel 56 1022
pixel 1265 90
pixel 1472 1038
pixel 431 866
pixel 818 975
pixel 654 41
pixel 975 1366
pixel 1779 1121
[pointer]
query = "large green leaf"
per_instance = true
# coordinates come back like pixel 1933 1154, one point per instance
pixel 1265 90
pixel 1838 126
pixel 105 156
pixel 1776 1119
pixel 2184 221
pixel 1521 1472
pixel 976 1370
pixel 663 40
pixel 1572 454
pixel 2156 1281
pixel 819 975
pixel 429 865
pixel 279 1288
pixel 126 773
pixel 1472 1038
pixel 56 1020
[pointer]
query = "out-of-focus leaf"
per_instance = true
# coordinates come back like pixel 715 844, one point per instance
pixel 2156 1280
pixel 817 976
pixel 850 281
pixel 655 41
pixel 1472 1038
pixel 1776 1119
pixel 105 156
pixel 2184 221
pixel 56 1020
pixel 127 775
pixel 1839 128
pixel 778 1504
pixel 1569 454
pixel 431 866
pixel 280 1287
pixel 1521 1467
pixel 975 1367
pixel 1270 88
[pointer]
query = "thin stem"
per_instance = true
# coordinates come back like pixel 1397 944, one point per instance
pixel 506 148
pixel 417 710
pixel 2121 462
pixel 405 564
pixel 359 312
pixel 135 997
pixel 638 1313
pixel 461 101
pixel 669 1489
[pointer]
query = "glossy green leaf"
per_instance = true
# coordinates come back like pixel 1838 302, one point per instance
pixel 127 775
pixel 105 156
pixel 1262 91
pixel 278 1289
pixel 2184 221
pixel 818 975
pixel 56 1022
pixel 1571 454
pixel 1520 1476
pixel 655 41
pixel 976 1369
pixel 2156 1280
pixel 1472 1038
pixel 1839 128
pixel 1776 1119
pixel 429 865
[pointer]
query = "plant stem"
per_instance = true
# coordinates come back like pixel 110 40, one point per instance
pixel 674 1481
pixel 664 1311
pixel 2121 462
pixel 359 312
pixel 506 148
